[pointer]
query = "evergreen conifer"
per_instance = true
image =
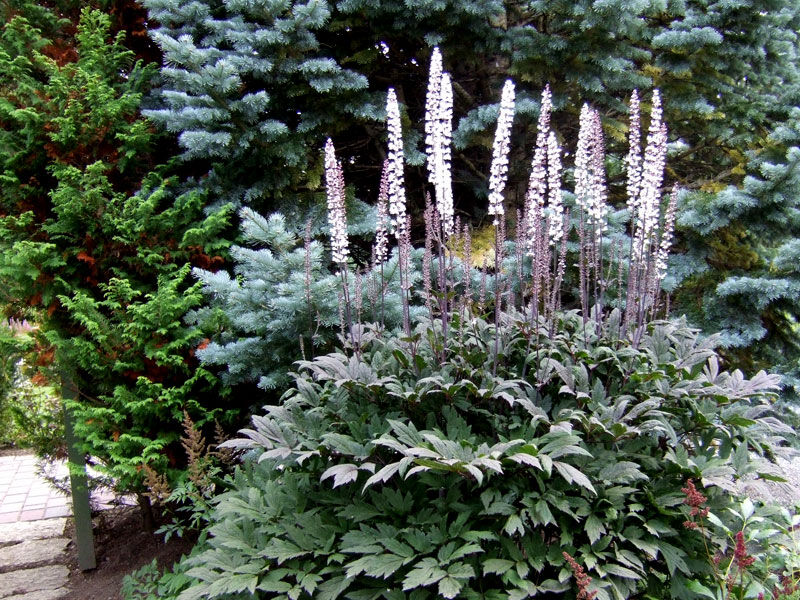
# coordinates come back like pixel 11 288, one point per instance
pixel 253 88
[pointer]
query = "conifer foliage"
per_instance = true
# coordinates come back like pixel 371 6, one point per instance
pixel 99 242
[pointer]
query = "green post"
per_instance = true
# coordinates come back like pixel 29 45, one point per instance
pixel 81 510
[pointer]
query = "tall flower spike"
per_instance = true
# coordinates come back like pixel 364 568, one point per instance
pixel 583 161
pixel 599 194
pixel 444 136
pixel 537 183
pixel 432 107
pixel 500 148
pixel 655 155
pixel 634 159
pixel 381 230
pixel 334 188
pixel 590 179
pixel 554 200
pixel 667 230
pixel 397 191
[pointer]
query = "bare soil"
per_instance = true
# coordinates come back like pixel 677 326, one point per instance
pixel 121 546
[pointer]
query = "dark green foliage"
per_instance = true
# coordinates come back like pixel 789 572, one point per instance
pixel 102 242
pixel 402 474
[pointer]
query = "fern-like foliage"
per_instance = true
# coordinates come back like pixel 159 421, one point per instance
pixel 402 474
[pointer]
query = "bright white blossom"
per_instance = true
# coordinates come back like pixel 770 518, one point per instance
pixel 380 249
pixel 432 106
pixel 397 191
pixel 537 183
pixel 667 230
pixel 334 188
pixel 634 159
pixel 583 159
pixel 554 201
pixel 590 181
pixel 439 134
pixel 500 148
pixel 649 200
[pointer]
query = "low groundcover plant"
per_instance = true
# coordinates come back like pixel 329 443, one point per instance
pixel 397 474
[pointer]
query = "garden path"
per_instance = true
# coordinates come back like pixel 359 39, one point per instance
pixel 32 531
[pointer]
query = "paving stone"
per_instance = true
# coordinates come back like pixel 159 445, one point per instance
pixel 31 530
pixel 25 581
pixel 32 553
pixel 41 595
pixel 57 511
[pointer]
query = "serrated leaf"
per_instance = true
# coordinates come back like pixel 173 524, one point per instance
pixel 465 550
pixel 449 587
pixel 674 558
pixel 498 566
pixel 282 550
pixel 747 508
pixel 332 588
pixel 383 475
pixel 698 588
pixel 573 475
pixel 342 474
pixel 514 525
pixel 621 472
pixel 426 572
pixel 594 528
pixel 621 571
pixel 526 459
pixel 380 565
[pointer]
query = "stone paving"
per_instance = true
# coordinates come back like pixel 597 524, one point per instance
pixel 32 524
pixel 24 496
pixel 32 560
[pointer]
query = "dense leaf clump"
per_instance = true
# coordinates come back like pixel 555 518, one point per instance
pixel 407 470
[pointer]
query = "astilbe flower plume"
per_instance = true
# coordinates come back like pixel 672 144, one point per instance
pixel 432 103
pixel 645 211
pixel 741 557
pixel 695 500
pixel 442 155
pixel 537 183
pixel 502 142
pixel 582 580
pixel 599 207
pixel 648 201
pixel 397 191
pixel 334 182
pixel 438 137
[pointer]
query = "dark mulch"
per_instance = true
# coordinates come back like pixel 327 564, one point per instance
pixel 121 546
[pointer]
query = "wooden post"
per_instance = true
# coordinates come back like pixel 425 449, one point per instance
pixel 81 510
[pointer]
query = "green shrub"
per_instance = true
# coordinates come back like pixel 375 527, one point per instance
pixel 15 343
pixel 38 417
pixel 407 472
